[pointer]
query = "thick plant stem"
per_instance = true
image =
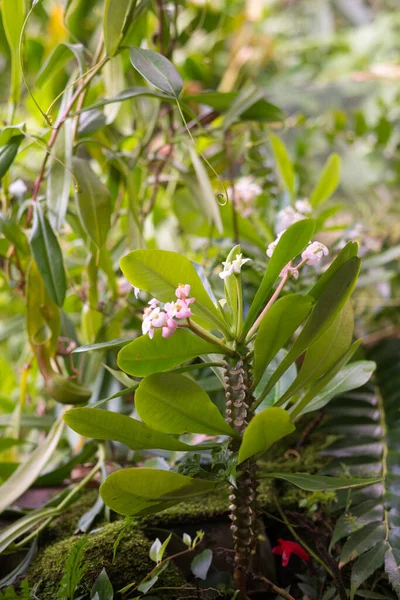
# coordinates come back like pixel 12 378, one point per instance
pixel 243 510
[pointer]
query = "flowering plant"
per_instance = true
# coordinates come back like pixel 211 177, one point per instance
pixel 183 321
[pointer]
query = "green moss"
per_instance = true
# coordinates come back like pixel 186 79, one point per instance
pixel 131 562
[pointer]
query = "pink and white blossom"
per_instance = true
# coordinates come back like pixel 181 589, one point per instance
pixel 156 317
pixel 169 328
pixel 273 245
pixel 314 252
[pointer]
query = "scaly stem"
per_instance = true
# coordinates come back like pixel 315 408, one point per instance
pixel 243 515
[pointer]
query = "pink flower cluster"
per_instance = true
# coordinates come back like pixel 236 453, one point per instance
pixel 156 317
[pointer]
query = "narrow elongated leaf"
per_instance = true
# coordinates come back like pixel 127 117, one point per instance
pixel 116 16
pixel 277 327
pixel 261 110
pixel 349 251
pixel 265 428
pixel 28 471
pixel 8 152
pixel 366 565
pixel 317 483
pixel 159 272
pixel 324 353
pixel 172 403
pixel 328 181
pixel 48 256
pixel 105 425
pixel 245 99
pixel 290 245
pixel 333 297
pixel 59 174
pixel 139 492
pixel 349 377
pixel 157 70
pixel 13 16
pixel 284 163
pixel 101 346
pixel 93 202
pixel 127 94
pixel 144 356
pixel 205 191
pixel 58 60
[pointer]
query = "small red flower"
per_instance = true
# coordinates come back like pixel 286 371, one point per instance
pixel 286 548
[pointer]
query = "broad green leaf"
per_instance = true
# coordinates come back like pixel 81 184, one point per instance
pixel 13 16
pixel 59 172
pixel 361 541
pixel 366 565
pixel 318 387
pixel 30 469
pixel 117 14
pixel 105 425
pixel 93 202
pixel 290 245
pixel 324 353
pixel 201 563
pixel 102 587
pixel 349 251
pixel 277 327
pixel 58 59
pixel 139 492
pixel 157 70
pixel 159 272
pixel 8 152
pixel 205 191
pixel 284 164
pixel 48 256
pixel 331 301
pixel 261 110
pixel 349 377
pixel 144 356
pixel 173 403
pixel 11 230
pixel 318 483
pixel 101 346
pixel 265 428
pixel 328 181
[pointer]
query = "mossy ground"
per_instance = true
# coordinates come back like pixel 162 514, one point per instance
pixel 131 562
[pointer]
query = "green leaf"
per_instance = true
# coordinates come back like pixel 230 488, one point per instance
pixel 366 565
pixel 349 251
pixel 157 70
pixel 29 470
pixel 290 245
pixel 328 181
pixel 277 327
pixel 361 541
pixel 58 59
pixel 139 492
pixel 47 319
pixel 285 166
pixel 318 483
pixel 205 191
pixel 101 346
pixel 127 94
pixel 117 15
pixel 102 587
pixel 324 353
pixel 48 256
pixel 260 110
pixel 201 564
pixel 93 202
pixel 105 425
pixel 8 152
pixel 59 172
pixel 349 377
pixel 265 428
pixel 173 403
pixel 333 297
pixel 244 100
pixel 159 272
pixel 144 356
pixel 13 16
pixel 74 570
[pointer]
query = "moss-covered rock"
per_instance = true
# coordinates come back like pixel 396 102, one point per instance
pixel 131 562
